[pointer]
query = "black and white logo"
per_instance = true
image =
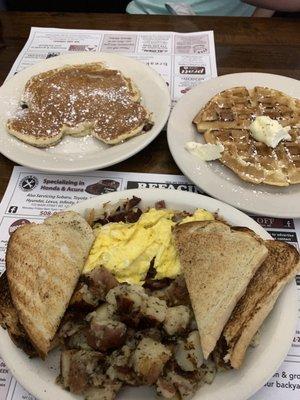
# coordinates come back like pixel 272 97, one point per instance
pixel 28 183
pixel 12 209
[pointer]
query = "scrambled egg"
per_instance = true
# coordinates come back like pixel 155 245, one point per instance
pixel 127 249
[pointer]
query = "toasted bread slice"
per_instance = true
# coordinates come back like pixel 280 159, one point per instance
pixel 217 262
pixel 281 265
pixel 43 264
pixel 9 319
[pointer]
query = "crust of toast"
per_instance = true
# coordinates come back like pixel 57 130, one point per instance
pixel 208 249
pixel 9 319
pixel 281 265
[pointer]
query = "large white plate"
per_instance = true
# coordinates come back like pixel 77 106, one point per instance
pixel 215 178
pixel 38 377
pixel 87 153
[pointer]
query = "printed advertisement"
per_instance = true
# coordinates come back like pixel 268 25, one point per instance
pixel 182 59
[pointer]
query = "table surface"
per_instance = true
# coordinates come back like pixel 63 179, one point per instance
pixel 242 44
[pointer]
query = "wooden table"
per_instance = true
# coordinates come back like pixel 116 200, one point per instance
pixel 242 44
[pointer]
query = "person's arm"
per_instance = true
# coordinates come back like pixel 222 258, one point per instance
pixel 278 5
pixel 263 12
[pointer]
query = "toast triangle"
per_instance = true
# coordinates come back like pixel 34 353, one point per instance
pixel 217 262
pixel 44 262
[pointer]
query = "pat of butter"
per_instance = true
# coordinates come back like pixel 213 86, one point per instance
pixel 206 152
pixel 269 131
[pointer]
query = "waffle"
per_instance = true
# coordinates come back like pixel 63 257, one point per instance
pixel 226 119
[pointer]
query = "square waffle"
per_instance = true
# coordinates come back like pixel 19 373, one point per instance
pixel 226 119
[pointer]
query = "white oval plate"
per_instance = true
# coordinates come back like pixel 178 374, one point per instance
pixel 215 178
pixel 261 363
pixel 85 153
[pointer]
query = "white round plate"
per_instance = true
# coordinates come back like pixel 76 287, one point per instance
pixel 215 178
pixel 261 362
pixel 85 153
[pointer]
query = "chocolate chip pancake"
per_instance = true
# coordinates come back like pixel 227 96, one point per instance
pixel 78 100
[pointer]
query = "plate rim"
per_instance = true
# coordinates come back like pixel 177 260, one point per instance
pixel 287 213
pixel 104 57
pixel 191 200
